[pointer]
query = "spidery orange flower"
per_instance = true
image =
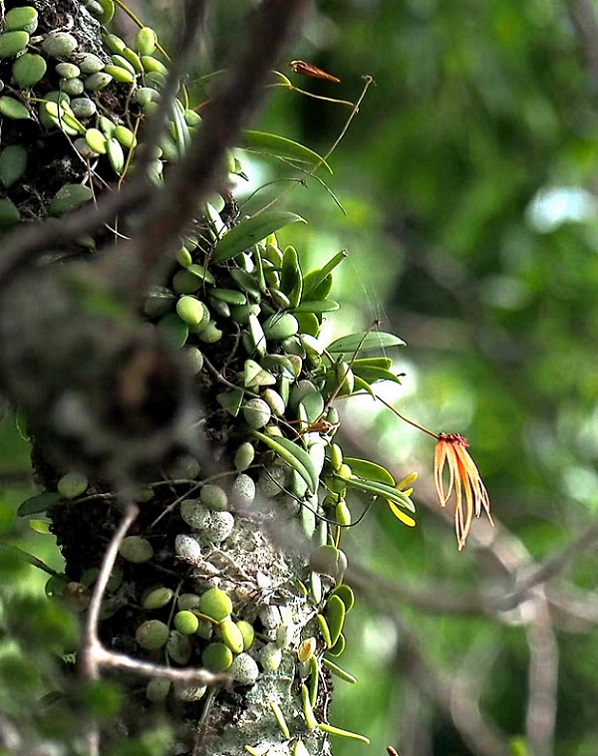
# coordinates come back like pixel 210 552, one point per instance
pixel 464 478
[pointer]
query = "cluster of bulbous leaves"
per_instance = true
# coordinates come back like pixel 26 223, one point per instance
pixel 233 563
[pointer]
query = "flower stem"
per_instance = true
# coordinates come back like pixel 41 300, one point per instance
pixel 406 419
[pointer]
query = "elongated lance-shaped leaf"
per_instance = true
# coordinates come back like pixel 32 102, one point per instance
pixel 371 362
pixel 363 468
pixel 332 730
pixel 39 503
pixel 317 305
pixel 294 456
pixel 339 671
pixel 360 385
pixel 400 515
pixel 272 144
pixel 251 231
pixel 373 374
pixel 365 341
pixel 380 489
pixel 280 720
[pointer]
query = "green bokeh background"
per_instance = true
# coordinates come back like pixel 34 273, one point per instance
pixel 468 179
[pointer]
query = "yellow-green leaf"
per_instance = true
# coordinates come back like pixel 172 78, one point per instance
pixel 400 515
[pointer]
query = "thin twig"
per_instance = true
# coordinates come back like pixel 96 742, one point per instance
pixel 88 659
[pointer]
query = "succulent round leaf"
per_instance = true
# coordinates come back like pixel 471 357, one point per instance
pixel 13 109
pixel 244 456
pixel 243 491
pixel 152 635
pixel 157 690
pixel 217 657
pixel 59 44
pixel 232 636
pixel 157 598
pixel 216 604
pixel 178 647
pixel 247 633
pixel 145 41
pixel 195 514
pixel 220 526
pixel 244 669
pixel 13 163
pixel 189 310
pixel 69 197
pixel 72 484
pixel 28 70
pixel 83 107
pixel 9 213
pixel 270 657
pixel 12 43
pixel 22 18
pixel 136 549
pixel 186 622
pixel 214 497
pixel 187 548
pixel 257 413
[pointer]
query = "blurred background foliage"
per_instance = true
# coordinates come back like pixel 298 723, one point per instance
pixel 468 181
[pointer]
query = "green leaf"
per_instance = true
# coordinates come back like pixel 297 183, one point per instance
pixel 319 291
pixel 12 108
pixel 40 526
pixel 272 144
pixel 247 282
pixel 335 615
pixel 294 456
pixel 308 712
pixel 317 306
pixel 364 341
pixel 316 278
pixel 363 468
pixel 13 162
pixel 360 385
pixel 381 489
pixel 182 135
pixel 332 730
pixel 309 325
pixel 257 335
pixel 231 401
pixel 378 362
pixel 291 280
pixel 36 504
pixel 251 231
pixel 338 671
pixel 373 374
pixel 172 328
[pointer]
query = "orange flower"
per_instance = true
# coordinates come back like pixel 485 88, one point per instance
pixel 464 478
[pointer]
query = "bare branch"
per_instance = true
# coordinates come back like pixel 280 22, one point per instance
pixel 88 660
